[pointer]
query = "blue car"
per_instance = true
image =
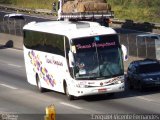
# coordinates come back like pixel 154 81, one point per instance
pixel 143 74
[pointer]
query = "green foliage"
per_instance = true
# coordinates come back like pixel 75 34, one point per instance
pixel 137 10
pixel 40 4
pixel 143 3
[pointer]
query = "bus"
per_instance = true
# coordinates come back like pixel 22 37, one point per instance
pixel 74 58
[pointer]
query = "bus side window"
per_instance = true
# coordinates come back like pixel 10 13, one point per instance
pixel 55 44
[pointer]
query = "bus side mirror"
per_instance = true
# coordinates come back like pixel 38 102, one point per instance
pixel 71 59
pixel 124 51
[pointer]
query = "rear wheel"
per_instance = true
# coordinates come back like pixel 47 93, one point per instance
pixel 40 88
pixel 70 97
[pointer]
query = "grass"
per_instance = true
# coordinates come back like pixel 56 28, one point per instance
pixel 33 4
pixel 137 14
pixel 137 10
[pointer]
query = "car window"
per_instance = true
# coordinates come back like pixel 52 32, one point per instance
pixel 148 68
pixel 154 37
pixel 133 70
pixel 130 67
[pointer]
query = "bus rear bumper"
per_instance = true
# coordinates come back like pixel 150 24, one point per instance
pixel 78 92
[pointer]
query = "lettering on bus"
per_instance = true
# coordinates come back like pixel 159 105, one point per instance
pixel 94 44
pixel 53 61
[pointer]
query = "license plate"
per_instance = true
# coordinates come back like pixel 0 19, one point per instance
pixel 102 90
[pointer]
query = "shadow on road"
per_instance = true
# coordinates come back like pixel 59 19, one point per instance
pixel 126 94
pixel 8 44
pixel 93 98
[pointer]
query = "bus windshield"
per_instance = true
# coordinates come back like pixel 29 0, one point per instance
pixel 97 57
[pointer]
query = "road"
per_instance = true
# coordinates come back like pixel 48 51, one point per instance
pixel 24 100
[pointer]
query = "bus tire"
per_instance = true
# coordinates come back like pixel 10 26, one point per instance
pixel 39 84
pixel 70 97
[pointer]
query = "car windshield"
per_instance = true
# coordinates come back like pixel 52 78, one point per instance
pixel 97 57
pixel 148 68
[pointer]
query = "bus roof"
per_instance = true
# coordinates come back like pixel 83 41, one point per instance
pixel 70 29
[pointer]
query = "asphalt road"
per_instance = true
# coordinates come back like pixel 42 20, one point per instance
pixel 24 100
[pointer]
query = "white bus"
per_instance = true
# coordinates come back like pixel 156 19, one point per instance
pixel 75 58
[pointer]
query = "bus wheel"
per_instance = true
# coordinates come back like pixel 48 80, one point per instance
pixel 70 97
pixel 39 84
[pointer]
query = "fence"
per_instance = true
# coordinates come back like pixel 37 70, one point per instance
pixel 139 46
